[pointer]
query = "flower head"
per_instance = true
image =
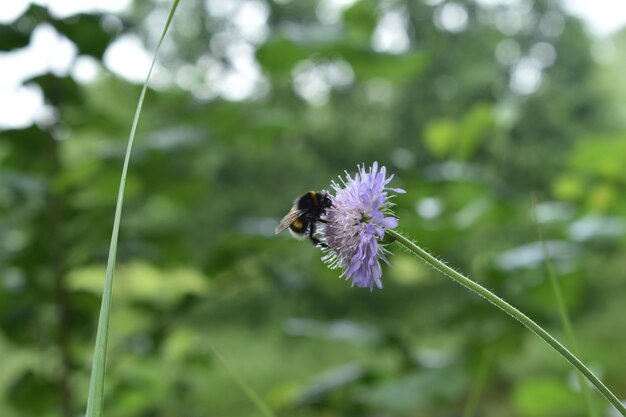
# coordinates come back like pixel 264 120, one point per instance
pixel 356 224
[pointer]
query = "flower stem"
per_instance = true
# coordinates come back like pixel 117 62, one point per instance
pixel 511 311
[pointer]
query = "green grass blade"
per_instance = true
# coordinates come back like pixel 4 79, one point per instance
pixel 95 399
pixel 564 315
pixel 247 389
pixel 477 386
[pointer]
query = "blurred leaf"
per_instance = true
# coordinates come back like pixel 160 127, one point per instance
pixel 419 389
pixel 568 186
pixel 58 90
pixel 11 38
pixel 279 55
pixel 360 20
pixel 407 271
pixel 330 382
pixel 33 394
pixel 445 137
pixel 142 282
pixel 546 397
pixel 530 255
pixel 440 137
pixel 34 15
pixel 595 227
pixel 477 127
pixel 18 320
pixel 601 156
pixel 368 64
pixel 345 330
pixel 87 33
pixel 601 197
pixel 84 30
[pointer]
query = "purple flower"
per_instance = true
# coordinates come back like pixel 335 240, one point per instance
pixel 356 224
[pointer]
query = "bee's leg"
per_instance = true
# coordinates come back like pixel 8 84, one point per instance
pixel 315 240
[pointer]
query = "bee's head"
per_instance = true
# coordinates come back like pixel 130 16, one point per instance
pixel 326 200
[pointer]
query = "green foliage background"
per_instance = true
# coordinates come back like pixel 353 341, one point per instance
pixel 198 263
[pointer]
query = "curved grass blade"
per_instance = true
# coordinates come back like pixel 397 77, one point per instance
pixel 247 389
pixel 477 386
pixel 95 399
pixel 564 315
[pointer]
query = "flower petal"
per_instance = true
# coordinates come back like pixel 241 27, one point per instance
pixel 356 222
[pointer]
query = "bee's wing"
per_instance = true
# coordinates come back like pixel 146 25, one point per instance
pixel 289 218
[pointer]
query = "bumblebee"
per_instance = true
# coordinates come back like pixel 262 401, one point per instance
pixel 306 212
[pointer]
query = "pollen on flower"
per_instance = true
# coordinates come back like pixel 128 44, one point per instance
pixel 355 225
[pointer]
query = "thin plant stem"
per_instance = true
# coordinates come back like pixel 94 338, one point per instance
pixel 477 386
pixel 511 311
pixel 56 209
pixel 565 320
pixel 247 389
pixel 95 398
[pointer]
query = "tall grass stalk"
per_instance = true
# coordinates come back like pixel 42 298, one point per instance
pixel 513 312
pixel 564 315
pixel 477 386
pixel 247 389
pixel 95 399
